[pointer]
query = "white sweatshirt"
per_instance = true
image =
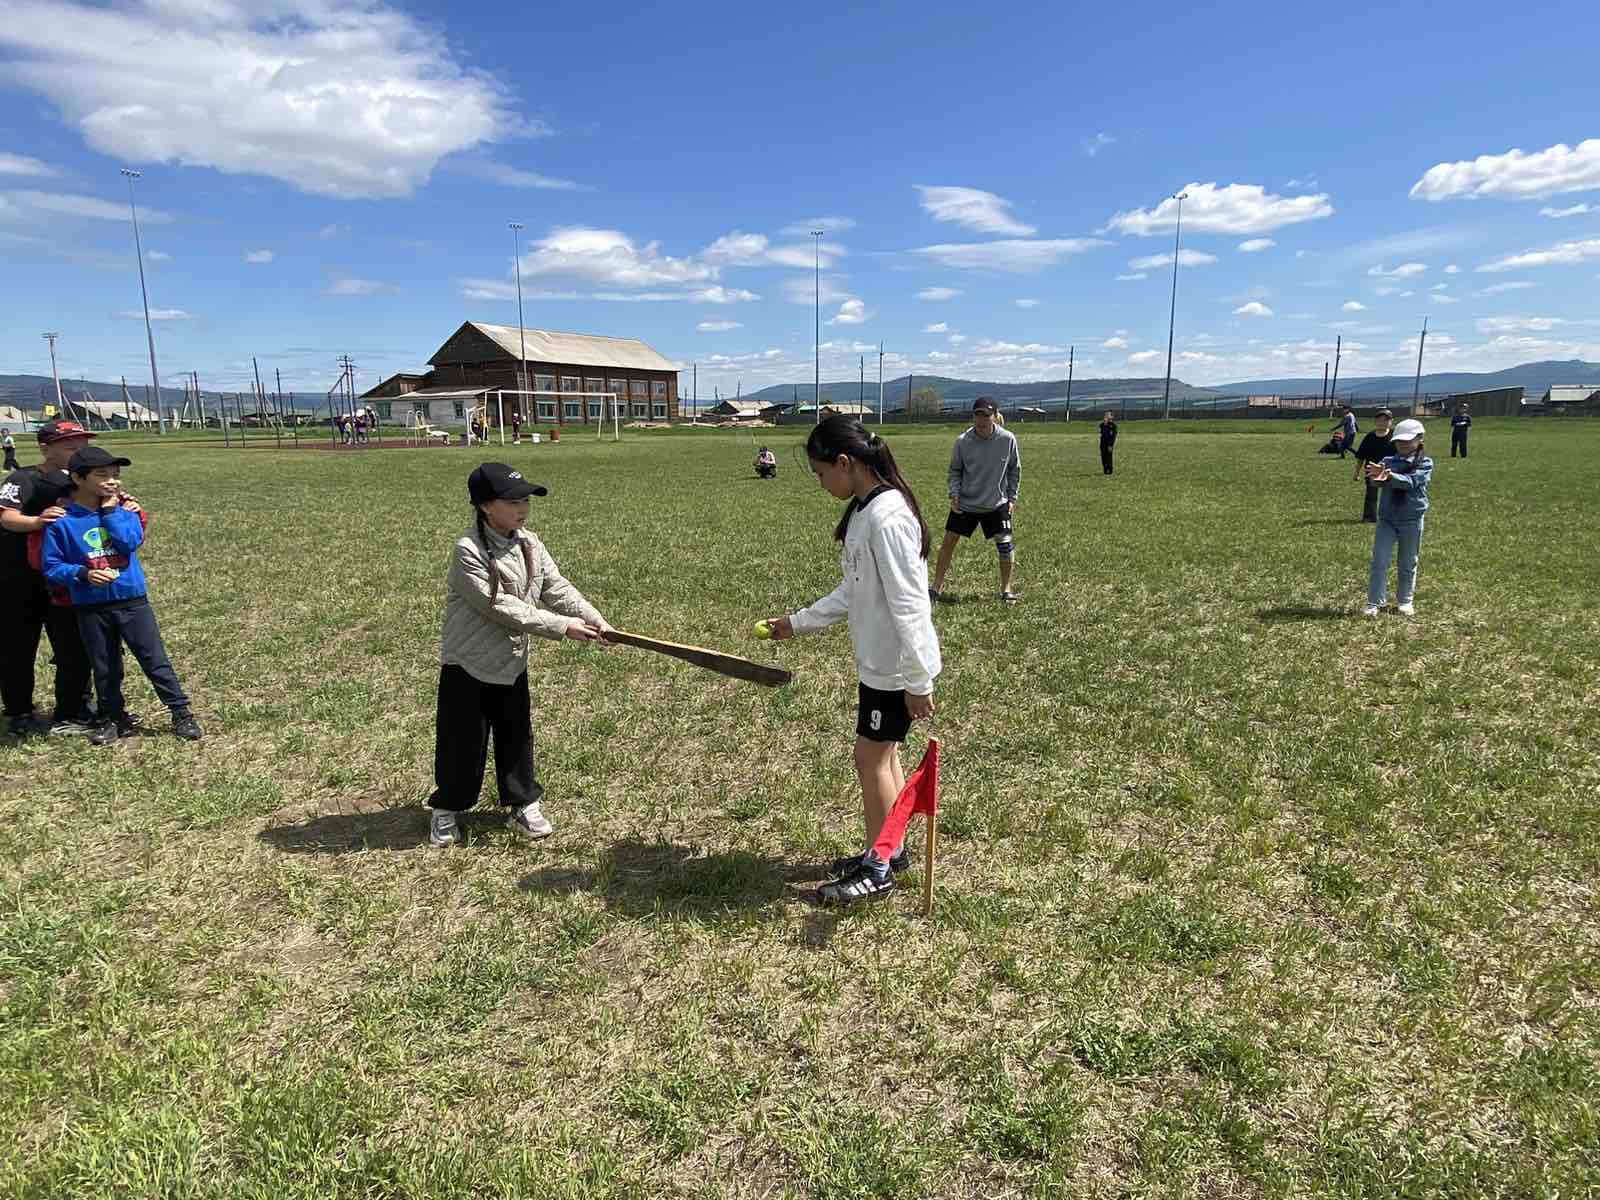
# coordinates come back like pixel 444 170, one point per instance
pixel 885 595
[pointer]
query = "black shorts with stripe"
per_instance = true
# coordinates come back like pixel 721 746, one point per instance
pixel 996 522
pixel 883 716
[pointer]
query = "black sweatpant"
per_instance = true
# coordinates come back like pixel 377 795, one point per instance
pixel 1458 440
pixel 1105 459
pixel 25 613
pixel 132 623
pixel 1369 506
pixel 469 711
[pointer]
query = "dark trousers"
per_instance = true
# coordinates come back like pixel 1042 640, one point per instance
pixel 469 711
pixel 131 623
pixel 11 459
pixel 1458 438
pixel 25 613
pixel 1369 506
pixel 1105 459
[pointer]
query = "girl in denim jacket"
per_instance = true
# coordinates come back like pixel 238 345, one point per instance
pixel 1403 477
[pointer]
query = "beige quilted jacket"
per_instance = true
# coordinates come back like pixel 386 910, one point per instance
pixel 486 626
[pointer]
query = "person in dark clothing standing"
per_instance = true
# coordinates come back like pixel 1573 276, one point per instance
pixel 1108 439
pixel 1346 430
pixel 31 499
pixel 1459 424
pixel 11 463
pixel 1375 447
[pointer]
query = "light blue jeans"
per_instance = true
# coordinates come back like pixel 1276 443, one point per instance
pixel 1409 537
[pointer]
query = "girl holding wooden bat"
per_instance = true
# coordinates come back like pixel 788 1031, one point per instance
pixel 502 586
pixel 884 594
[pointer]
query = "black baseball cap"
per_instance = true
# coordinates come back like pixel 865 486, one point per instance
pixel 55 431
pixel 983 404
pixel 1383 412
pixel 496 481
pixel 93 457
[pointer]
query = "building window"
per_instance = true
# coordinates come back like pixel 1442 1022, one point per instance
pixel 544 383
pixel 573 409
pixel 596 409
pixel 594 385
pixel 637 388
pixel 618 386
pixel 658 389
pixel 660 410
pixel 460 407
pixel 569 383
pixel 385 409
pixel 641 408
pixel 547 410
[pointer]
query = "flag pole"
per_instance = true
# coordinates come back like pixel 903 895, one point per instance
pixel 928 858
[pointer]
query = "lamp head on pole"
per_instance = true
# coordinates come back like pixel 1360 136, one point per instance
pixel 132 174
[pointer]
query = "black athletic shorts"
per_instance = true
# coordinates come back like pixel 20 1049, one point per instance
pixel 995 523
pixel 883 716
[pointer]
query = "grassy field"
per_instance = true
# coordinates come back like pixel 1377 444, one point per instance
pixel 1242 895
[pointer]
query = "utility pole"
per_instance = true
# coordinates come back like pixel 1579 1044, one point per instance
pixel 816 268
pixel 54 374
pixel 880 383
pixel 1338 353
pixel 1417 384
pixel 1172 316
pixel 155 379
pixel 694 395
pixel 1324 381
pixel 861 384
pixel 522 338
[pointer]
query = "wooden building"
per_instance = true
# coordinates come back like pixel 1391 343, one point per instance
pixel 480 362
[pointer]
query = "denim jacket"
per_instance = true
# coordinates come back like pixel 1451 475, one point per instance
pixel 1405 492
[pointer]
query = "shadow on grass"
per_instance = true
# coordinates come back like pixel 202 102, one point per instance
pixel 1328 521
pixel 355 829
pixel 1277 616
pixel 637 879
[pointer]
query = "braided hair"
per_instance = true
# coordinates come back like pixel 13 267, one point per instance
pixel 488 553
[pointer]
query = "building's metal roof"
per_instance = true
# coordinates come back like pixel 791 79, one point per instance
pixel 578 349
pixel 1571 393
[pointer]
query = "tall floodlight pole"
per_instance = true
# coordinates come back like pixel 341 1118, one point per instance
pixel 1338 353
pixel 816 308
pixel 1423 341
pixel 522 338
pixel 1072 354
pixel 155 379
pixel 1172 316
pixel 54 374
pixel 694 395
pixel 1324 381
pixel 861 383
pixel 880 383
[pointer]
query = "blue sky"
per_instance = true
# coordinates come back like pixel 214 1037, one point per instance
pixel 324 178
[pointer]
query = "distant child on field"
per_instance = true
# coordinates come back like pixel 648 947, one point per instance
pixel 11 451
pixel 1108 439
pixel 1403 478
pixel 502 585
pixel 1375 447
pixel 766 464
pixel 1460 424
pixel 884 595
pixel 93 552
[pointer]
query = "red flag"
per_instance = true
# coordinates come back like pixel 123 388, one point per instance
pixel 920 795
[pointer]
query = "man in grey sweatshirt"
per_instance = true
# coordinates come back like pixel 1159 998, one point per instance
pixel 985 470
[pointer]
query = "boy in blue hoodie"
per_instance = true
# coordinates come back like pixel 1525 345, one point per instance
pixel 92 551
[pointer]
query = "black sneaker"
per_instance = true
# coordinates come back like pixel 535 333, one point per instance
pixel 861 884
pixel 840 867
pixel 941 597
pixel 185 726
pixel 72 727
pixel 109 731
pixel 27 725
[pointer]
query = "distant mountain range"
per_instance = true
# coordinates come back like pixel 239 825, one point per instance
pixel 1534 378
pixel 31 392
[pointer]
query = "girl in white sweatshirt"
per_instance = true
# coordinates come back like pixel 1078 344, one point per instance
pixel 884 594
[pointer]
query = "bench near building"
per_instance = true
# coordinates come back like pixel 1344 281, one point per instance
pixel 480 362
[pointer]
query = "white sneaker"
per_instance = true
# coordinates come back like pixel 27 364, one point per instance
pixel 1407 609
pixel 443 828
pixel 1370 610
pixel 530 822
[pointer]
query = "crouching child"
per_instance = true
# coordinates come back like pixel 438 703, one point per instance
pixel 93 552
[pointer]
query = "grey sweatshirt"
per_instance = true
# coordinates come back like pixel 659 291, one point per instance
pixel 488 638
pixel 985 472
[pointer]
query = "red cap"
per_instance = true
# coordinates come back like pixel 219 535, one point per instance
pixel 57 431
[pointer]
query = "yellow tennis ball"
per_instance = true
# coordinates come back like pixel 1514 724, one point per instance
pixel 763 630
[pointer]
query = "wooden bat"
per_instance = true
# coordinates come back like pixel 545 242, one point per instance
pixel 712 660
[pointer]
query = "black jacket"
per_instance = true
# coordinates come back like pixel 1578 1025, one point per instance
pixel 1108 434
pixel 1375 448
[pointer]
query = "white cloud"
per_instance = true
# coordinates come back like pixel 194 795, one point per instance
pixel 1518 324
pixel 1242 208
pixel 1563 255
pixel 1026 302
pixel 1093 145
pixel 1354 306
pixel 938 293
pixel 357 100
pixel 992 346
pixel 851 312
pixel 21 164
pixel 1515 285
pixel 1144 356
pixel 329 232
pixel 957 338
pixel 717 326
pixel 1307 184
pixel 717 294
pixel 514 177
pixel 738 249
pixel 1515 175
pixel 1254 309
pixel 829 289
pixel 157 314
pixel 157 256
pixel 1131 278
pixel 979 210
pixel 825 224
pixel 1441 298
pixel 259 256
pixel 1256 245
pixel 936 327
pixel 1186 258
pixel 65 204
pixel 350 286
pixel 1574 210
pixel 1114 343
pixel 609 258
pixel 1012 256
pixel 1403 271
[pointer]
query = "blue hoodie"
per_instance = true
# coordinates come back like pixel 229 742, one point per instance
pixel 84 540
